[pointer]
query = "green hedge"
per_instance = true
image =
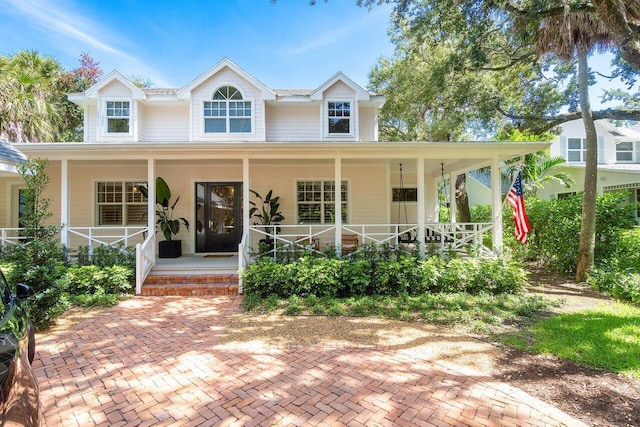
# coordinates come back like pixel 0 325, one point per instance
pixel 323 277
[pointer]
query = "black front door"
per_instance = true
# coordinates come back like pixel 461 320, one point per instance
pixel 218 216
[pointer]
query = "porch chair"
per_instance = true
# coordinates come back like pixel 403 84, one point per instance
pixel 349 243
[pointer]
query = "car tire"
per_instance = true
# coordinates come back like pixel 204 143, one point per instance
pixel 32 343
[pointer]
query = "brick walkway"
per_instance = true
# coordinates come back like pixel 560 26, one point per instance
pixel 154 361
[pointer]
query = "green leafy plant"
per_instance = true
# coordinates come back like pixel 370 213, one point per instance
pixel 164 209
pixel 267 210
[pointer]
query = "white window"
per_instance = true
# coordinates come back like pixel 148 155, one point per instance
pixel 228 112
pixel 576 149
pixel 118 116
pixel 121 203
pixel 339 115
pixel 624 151
pixel 316 202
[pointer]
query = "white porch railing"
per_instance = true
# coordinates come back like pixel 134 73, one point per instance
pixel 107 236
pixel 145 260
pixel 10 236
pixel 443 237
pixel 244 259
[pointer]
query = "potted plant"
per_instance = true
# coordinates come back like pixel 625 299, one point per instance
pixel 267 212
pixel 169 226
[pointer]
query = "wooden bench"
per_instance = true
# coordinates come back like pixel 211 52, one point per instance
pixel 349 243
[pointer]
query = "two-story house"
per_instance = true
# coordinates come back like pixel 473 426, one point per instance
pixel 226 133
pixel 618 159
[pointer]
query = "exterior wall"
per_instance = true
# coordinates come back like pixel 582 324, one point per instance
pixel 141 121
pixel 575 129
pixel 368 124
pixel 478 193
pixel 205 91
pixel 605 179
pixel 92 121
pixel 166 123
pixel 293 122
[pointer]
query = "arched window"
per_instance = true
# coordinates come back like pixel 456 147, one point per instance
pixel 228 112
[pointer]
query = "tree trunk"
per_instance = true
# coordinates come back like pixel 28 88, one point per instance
pixel 462 200
pixel 588 227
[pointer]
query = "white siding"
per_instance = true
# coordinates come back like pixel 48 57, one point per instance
pixel 141 121
pixel 92 123
pixel 205 91
pixel 367 124
pixel 116 89
pixel 339 90
pixel 166 123
pixel 293 122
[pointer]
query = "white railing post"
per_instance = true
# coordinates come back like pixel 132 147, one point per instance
pixel 90 241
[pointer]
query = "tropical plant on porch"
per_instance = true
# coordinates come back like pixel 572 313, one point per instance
pixel 169 225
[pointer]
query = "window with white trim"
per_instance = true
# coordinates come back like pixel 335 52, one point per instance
pixel 228 112
pixel 121 203
pixel 118 116
pixel 315 202
pixel 339 115
pixel 624 151
pixel 576 150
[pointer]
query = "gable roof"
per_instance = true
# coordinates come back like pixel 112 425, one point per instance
pixel 111 77
pixel 10 157
pixel 185 92
pixel 361 94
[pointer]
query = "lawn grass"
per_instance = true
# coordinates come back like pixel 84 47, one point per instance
pixel 478 311
pixel 607 337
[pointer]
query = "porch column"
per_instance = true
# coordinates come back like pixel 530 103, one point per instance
pixel 245 201
pixel 496 205
pixel 452 198
pixel 64 202
pixel 431 202
pixel 151 191
pixel 421 205
pixel 337 200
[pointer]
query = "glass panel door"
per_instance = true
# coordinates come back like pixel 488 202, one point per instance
pixel 218 217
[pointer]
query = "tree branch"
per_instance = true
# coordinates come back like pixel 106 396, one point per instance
pixel 540 124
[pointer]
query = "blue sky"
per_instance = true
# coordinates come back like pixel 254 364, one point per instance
pixel 284 45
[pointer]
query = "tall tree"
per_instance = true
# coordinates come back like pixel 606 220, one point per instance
pixel 28 91
pixel 568 35
pixel 76 80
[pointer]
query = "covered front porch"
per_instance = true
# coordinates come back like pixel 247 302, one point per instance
pixel 320 216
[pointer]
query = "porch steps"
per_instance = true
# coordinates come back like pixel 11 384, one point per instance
pixel 191 284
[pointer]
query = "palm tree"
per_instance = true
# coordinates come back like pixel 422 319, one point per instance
pixel 577 34
pixel 28 95
pixel 539 170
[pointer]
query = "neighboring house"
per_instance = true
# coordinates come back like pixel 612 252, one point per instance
pixel 10 158
pixel 226 133
pixel 618 159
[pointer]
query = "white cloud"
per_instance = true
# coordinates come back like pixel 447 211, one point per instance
pixel 52 18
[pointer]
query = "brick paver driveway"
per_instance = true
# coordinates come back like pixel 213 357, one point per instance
pixel 154 361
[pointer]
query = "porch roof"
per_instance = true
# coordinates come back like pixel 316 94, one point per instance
pixel 457 156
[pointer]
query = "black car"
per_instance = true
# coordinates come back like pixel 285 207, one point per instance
pixel 19 400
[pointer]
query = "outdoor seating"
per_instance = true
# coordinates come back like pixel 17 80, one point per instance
pixel 349 243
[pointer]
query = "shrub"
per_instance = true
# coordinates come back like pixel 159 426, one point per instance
pixel 321 277
pixel 624 286
pixel 104 256
pixel 94 280
pixel 555 227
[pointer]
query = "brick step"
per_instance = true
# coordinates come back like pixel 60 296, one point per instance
pixel 191 285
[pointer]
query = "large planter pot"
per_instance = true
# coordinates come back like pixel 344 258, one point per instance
pixel 170 249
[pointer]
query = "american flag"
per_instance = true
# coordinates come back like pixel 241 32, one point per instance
pixel 515 199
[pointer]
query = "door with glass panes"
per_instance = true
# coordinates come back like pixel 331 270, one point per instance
pixel 218 224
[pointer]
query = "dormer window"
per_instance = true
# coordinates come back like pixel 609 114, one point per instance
pixel 118 116
pixel 339 114
pixel 228 112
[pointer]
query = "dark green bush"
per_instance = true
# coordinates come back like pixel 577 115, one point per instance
pixel 105 256
pixel 321 277
pixel 94 280
pixel 624 286
pixel 555 238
